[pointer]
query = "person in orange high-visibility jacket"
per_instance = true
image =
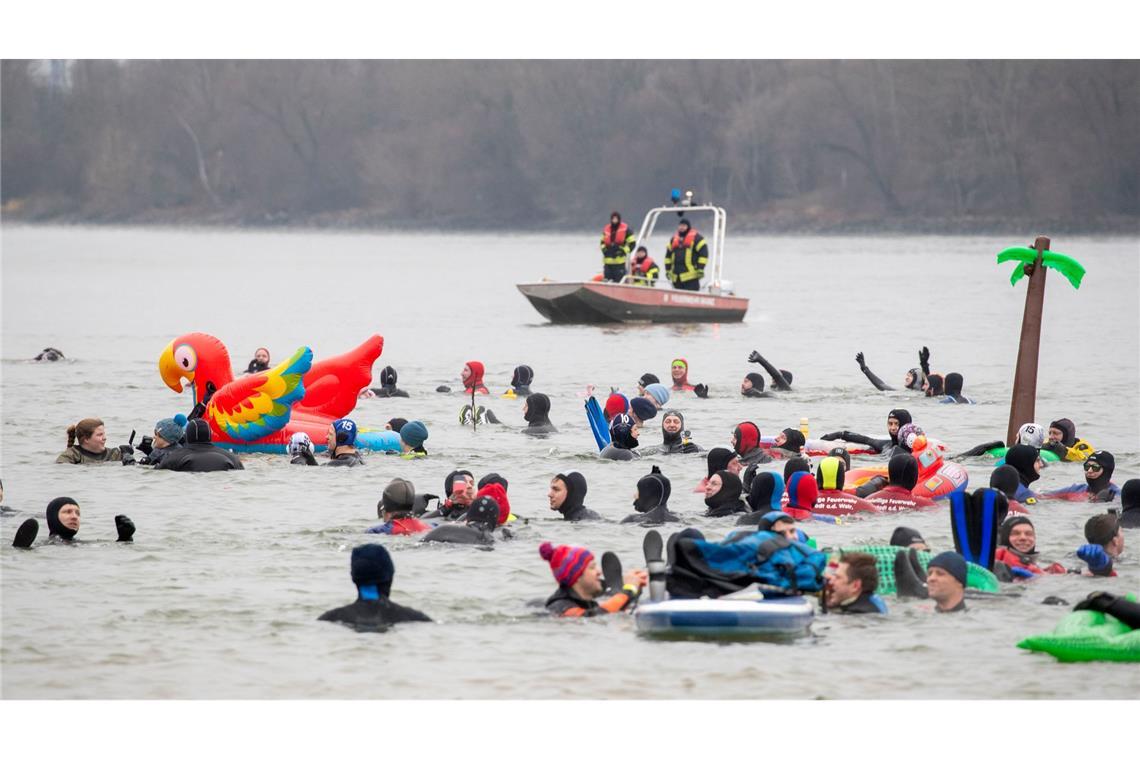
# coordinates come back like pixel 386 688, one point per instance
pixel 685 258
pixel 617 241
pixel 580 584
pixel 644 269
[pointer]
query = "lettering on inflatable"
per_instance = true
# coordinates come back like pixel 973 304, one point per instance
pixel 689 300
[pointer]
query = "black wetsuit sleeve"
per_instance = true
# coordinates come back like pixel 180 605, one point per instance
pixel 878 444
pixel 982 448
pixel 875 381
pixel 777 377
pixel 1126 612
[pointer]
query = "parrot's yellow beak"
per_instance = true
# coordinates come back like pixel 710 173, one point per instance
pixel 172 374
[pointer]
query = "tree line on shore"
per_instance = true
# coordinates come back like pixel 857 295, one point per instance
pixel 525 145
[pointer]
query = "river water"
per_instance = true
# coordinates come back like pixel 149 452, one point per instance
pixel 219 594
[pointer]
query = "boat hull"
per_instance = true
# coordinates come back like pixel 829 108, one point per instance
pixel 607 303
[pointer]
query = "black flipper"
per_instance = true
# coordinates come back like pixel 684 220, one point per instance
pixel 908 581
pixel 611 571
pixel 26 534
pixel 655 565
pixel 974 520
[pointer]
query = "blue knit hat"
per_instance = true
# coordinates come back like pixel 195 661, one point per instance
pixel 345 430
pixel 169 430
pixel 659 393
pixel 414 433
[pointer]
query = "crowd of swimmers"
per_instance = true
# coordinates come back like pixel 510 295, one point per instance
pixel 781 500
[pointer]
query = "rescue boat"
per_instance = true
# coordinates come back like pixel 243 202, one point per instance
pixel 599 302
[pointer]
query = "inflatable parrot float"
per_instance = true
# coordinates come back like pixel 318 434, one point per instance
pixel 260 412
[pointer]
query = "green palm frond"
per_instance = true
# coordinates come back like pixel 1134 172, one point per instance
pixel 1069 267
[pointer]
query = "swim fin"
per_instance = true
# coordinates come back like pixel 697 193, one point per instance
pixel 909 575
pixel 465 414
pixel 26 534
pixel 974 520
pixel 611 571
pixel 655 565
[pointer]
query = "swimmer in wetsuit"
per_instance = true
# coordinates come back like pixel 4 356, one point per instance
pixel 781 378
pixel 752 386
pixel 301 449
pixel 567 492
pixel 789 443
pixel 521 379
pixel 1124 610
pixel 679 370
pixel 946 582
pixel 652 502
pixel 1130 504
pixel 623 439
pixel 87 444
pixel 1016 557
pixel 674 437
pixel 642 409
pixel 472 376
pixel 475 526
pixel 1105 545
pixel 580 584
pixel 388 389
pixel 458 493
pixel 199 454
pixel 722 495
pixel 49 355
pixel 897 495
pixel 746 444
pixel 168 437
pixel 851 588
pixel 373 611
pixel 342 444
pixel 395 508
pixel 1027 461
pixel 912 381
pixel 896 418
pixel 62 516
pixel 536 412
pixel 1098 485
pixel 765 493
pixel 412 436
pixel 259 362
pixel 953 390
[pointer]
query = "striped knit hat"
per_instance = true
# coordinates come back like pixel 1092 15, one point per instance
pixel 566 562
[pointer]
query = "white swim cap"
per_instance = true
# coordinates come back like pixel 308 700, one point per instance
pixel 298 442
pixel 1031 434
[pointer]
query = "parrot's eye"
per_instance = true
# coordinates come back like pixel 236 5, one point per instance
pixel 186 357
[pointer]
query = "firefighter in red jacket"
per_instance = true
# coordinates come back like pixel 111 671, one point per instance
pixel 644 268
pixel 617 242
pixel 685 258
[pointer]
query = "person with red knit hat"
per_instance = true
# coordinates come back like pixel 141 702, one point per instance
pixel 472 376
pixel 499 494
pixel 580 583
pixel 802 494
pixel 746 444
pixel 616 404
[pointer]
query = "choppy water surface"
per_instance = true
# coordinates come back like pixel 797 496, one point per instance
pixel 219 594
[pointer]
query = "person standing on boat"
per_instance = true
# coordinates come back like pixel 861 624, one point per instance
pixel 685 258
pixel 645 269
pixel 617 242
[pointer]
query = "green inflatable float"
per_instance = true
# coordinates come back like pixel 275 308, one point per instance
pixel 1085 635
pixel 977 577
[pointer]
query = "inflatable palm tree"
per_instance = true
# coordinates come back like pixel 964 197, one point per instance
pixel 1033 263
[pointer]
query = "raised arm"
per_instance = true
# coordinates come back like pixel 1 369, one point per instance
pixel 875 381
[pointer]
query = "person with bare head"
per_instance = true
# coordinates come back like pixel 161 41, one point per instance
pixel 851 588
pixel 259 362
pixel 87 444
